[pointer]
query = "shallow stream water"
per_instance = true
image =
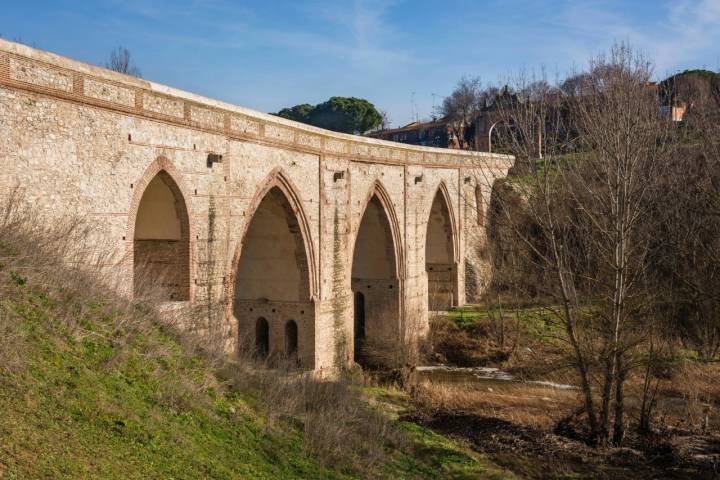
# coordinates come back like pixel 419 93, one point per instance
pixel 479 375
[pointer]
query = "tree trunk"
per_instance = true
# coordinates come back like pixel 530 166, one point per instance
pixel 619 427
pixel 609 380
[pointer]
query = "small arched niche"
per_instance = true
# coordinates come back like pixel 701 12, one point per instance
pixel 262 338
pixel 291 339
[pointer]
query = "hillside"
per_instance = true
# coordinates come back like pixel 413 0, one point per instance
pixel 97 400
pixel 94 387
pixel 691 86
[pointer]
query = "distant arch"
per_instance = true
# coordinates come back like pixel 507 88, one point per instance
pixel 490 134
pixel 159 235
pixel 441 253
pixel 376 281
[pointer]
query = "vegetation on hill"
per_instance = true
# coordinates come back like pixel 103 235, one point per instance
pixel 691 86
pixel 339 114
pixel 95 386
pixel 602 238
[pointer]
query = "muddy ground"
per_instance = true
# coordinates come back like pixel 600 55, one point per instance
pixel 532 453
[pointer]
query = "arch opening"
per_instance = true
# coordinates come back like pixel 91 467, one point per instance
pixel 161 242
pixel 440 258
pixel 359 325
pixel 375 287
pixel 262 338
pixel 272 280
pixel 291 339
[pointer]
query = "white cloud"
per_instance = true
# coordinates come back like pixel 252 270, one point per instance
pixel 684 33
pixel 693 32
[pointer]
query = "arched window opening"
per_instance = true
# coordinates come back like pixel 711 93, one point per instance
pixel 439 257
pixel 359 325
pixel 375 279
pixel 262 338
pixel 272 276
pixel 161 252
pixel 291 339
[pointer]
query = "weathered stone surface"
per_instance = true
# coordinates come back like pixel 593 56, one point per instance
pixel 37 74
pixel 163 105
pixel 312 141
pixel 244 125
pixel 69 157
pixel 207 118
pixel 279 133
pixel 109 92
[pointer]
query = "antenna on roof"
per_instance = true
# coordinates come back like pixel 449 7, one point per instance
pixel 412 107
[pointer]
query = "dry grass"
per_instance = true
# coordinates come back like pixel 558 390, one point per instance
pixel 688 395
pixel 338 426
pixel 522 404
pixel 64 259
pixel 689 399
pixel 451 344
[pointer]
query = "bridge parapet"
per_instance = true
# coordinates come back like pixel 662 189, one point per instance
pixel 36 71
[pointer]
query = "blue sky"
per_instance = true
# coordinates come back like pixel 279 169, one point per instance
pixel 271 54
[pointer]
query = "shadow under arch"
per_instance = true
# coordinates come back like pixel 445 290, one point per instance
pixel 441 253
pixel 377 281
pixel 273 271
pixel 159 235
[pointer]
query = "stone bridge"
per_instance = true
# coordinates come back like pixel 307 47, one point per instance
pixel 301 242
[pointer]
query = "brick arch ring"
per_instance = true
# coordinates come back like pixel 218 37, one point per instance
pixel 161 166
pixel 443 190
pixel 381 193
pixel 303 239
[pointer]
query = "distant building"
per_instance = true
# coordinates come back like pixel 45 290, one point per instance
pixel 675 109
pixel 434 133
pixel 676 112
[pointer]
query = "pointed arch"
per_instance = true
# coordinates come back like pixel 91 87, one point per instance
pixel 376 280
pixel 442 190
pixel 159 176
pixel 441 252
pixel 378 191
pixel 273 271
pixel 277 179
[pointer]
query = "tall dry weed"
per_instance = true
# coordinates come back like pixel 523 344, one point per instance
pixel 80 276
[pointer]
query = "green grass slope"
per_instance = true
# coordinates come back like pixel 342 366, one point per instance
pixel 104 402
pixel 89 391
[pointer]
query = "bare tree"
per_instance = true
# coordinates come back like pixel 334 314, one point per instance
pixel 461 107
pixel 585 218
pixel 688 262
pixel 121 61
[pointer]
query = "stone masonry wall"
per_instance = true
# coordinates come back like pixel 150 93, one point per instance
pixel 80 141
